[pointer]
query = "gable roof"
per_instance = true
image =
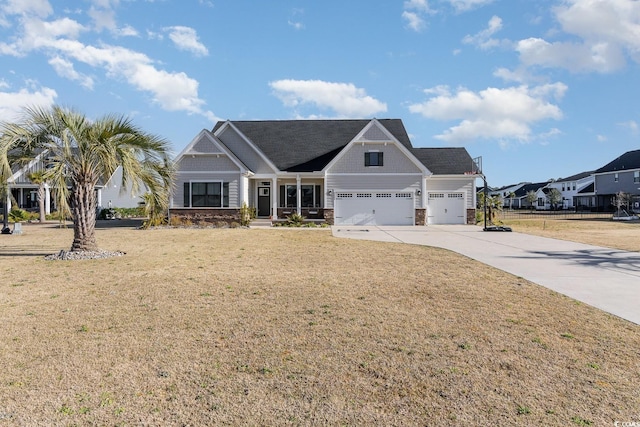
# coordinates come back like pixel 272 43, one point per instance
pixel 522 191
pixel 308 145
pixel 445 161
pixel 629 160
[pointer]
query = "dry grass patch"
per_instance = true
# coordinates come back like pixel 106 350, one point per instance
pixel 273 327
pixel 623 235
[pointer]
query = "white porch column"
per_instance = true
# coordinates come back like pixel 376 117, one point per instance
pixel 47 199
pixel 99 194
pixel 275 193
pixel 21 201
pixel 423 202
pixel 298 195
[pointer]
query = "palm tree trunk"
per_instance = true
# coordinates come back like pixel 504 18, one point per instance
pixel 41 202
pixel 83 209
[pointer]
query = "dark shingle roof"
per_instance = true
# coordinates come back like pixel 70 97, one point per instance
pixel 445 161
pixel 629 160
pixel 522 191
pixel 588 189
pixel 576 177
pixel 308 145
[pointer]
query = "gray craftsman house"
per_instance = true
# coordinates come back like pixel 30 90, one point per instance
pixel 360 172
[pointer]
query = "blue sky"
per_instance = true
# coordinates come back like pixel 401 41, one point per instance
pixel 540 89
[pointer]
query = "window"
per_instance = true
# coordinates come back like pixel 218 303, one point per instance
pixel 373 158
pixel 214 194
pixel 573 186
pixel 636 177
pixel 310 196
pixel 541 201
pixel 615 178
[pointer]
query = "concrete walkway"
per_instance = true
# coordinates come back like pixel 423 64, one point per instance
pixel 608 279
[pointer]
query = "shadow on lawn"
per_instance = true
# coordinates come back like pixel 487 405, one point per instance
pixel 624 261
pixel 26 251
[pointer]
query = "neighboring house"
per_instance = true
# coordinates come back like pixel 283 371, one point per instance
pixel 25 193
pixel 569 188
pixel 341 171
pixel 507 195
pixel 520 198
pixel 621 174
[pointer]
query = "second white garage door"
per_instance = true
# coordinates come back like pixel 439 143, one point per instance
pixel 374 208
pixel 446 208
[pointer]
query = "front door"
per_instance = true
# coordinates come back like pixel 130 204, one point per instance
pixel 264 201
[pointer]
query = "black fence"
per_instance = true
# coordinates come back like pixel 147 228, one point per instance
pixel 508 214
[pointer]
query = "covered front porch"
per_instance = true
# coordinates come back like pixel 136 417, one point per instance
pixel 278 197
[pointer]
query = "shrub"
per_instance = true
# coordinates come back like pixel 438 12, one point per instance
pixel 247 214
pixel 19 215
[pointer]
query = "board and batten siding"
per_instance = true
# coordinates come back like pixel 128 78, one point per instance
pixel 243 151
pixel 373 182
pixel 454 186
pixel 232 178
pixel 394 160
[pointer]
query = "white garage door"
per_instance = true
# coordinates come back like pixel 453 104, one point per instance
pixel 446 208
pixel 374 208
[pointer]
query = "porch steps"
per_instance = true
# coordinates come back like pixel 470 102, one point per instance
pixel 260 223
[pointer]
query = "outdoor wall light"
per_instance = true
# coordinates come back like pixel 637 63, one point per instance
pixel 330 192
pixel 418 192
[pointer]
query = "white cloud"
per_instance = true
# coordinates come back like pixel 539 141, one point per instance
pixel 36 8
pixel 414 13
pixel 186 38
pixel 493 113
pixel 419 5
pixel 576 57
pixel 294 21
pixel 631 125
pixel 414 21
pixel 466 5
pixel 12 103
pixel 345 99
pixel 66 69
pixel 608 33
pixel 296 25
pixel 484 39
pixel 59 41
pixel 127 31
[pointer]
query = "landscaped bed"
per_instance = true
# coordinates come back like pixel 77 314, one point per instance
pixel 272 327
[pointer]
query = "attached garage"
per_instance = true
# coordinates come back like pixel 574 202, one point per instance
pixel 374 208
pixel 446 208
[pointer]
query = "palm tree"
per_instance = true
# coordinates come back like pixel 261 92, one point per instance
pixel 82 153
pixel 37 178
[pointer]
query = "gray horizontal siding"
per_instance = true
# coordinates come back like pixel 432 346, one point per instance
pixel 232 179
pixel 395 161
pixel 606 184
pixel 387 182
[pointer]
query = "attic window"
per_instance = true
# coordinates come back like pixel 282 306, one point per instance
pixel 373 158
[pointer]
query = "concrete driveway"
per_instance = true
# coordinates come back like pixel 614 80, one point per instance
pixel 608 279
